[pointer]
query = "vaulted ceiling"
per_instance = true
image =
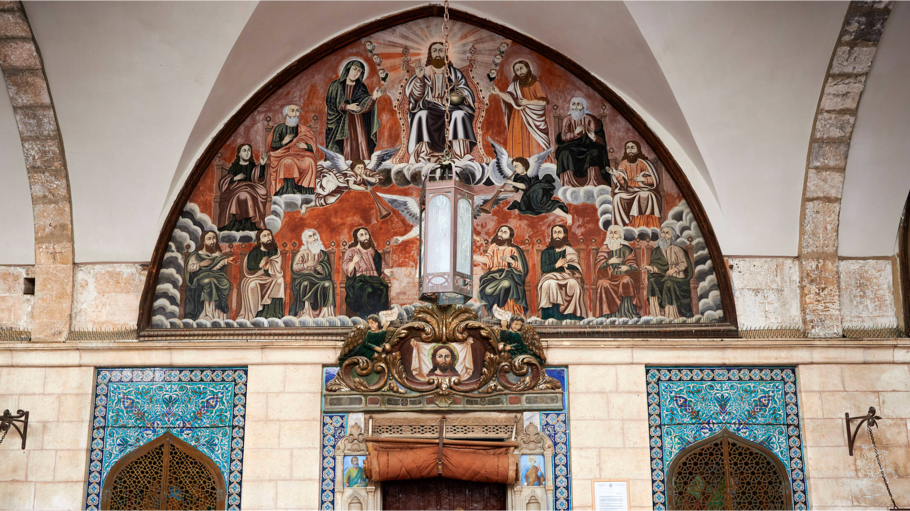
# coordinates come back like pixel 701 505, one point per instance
pixel 731 88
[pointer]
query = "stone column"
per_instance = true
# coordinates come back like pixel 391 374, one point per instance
pixel 828 150
pixel 45 162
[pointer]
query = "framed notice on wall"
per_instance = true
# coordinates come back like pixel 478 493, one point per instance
pixel 610 495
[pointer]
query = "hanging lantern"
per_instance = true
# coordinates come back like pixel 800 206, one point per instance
pixel 446 241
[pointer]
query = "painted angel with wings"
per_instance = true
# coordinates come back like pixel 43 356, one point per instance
pixel 410 210
pixel 535 179
pixel 337 175
pixel 518 337
pixel 368 339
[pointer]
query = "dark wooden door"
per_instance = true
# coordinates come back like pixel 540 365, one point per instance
pixel 439 493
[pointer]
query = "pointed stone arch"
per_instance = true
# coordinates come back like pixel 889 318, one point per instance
pixel 156 464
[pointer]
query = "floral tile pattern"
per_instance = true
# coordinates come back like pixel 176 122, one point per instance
pixel 686 405
pixel 205 407
pixel 556 426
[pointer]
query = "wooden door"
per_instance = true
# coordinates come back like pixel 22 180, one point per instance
pixel 439 493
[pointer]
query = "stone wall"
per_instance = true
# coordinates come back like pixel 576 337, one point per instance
pixel 766 292
pixel 107 296
pixel 15 305
pixel 607 399
pixel 837 480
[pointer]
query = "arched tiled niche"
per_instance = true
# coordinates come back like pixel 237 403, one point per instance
pixel 284 197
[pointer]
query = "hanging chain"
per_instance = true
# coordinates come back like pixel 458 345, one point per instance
pixel 447 155
pixel 2 438
pixel 881 469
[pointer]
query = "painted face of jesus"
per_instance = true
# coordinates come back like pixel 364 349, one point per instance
pixel 437 55
pixel 443 360
pixel 520 69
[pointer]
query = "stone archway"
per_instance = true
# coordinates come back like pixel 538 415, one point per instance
pixel 829 145
pixel 45 162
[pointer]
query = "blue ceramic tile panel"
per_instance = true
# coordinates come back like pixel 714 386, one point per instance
pixel 687 404
pixel 205 407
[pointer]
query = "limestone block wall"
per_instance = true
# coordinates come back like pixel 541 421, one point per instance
pixel 837 480
pixel 608 415
pixel 867 293
pixel 15 305
pixel 608 421
pixel 51 472
pixel 106 296
pixel 766 291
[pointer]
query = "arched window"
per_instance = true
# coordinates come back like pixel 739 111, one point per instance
pixel 726 471
pixel 166 473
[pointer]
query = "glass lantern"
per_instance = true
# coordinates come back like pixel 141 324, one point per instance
pixel 446 241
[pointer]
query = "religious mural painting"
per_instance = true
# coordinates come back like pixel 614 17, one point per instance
pixel 308 215
pixel 687 405
pixel 204 407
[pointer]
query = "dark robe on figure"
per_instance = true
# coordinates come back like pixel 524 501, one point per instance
pixel 365 291
pixel 671 290
pixel 496 287
pixel 314 286
pixel 348 133
pixel 576 153
pixel 372 340
pixel 244 202
pixel 206 285
pixel 275 308
pixel 516 344
pixel 537 197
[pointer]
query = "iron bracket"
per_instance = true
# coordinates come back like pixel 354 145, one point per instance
pixel 851 435
pixel 8 420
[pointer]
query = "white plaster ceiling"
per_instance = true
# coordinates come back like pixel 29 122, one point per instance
pixel 731 88
pixel 878 167
pixel 748 76
pixel 18 246
pixel 128 81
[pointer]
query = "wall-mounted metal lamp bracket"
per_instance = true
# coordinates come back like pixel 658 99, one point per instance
pixel 851 435
pixel 8 420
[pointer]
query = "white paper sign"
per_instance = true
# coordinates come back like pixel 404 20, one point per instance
pixel 611 495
